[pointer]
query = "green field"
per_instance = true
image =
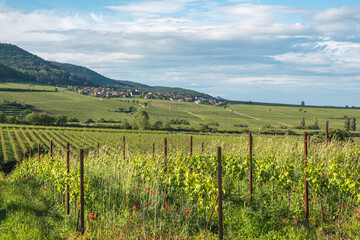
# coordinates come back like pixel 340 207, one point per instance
pixel 124 195
pixel 82 107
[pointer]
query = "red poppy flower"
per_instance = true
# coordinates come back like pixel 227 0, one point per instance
pixel 135 188
pixel 125 205
pixel 149 191
pixel 356 217
pixel 169 209
pixel 124 197
pixel 293 191
pixel 166 204
pixel 98 221
pixel 346 207
pixel 356 211
pixel 91 214
pixel 155 211
pixel 92 218
pixel 3 188
pixel 148 203
pixel 88 219
pixel 78 203
pixel 87 230
pixel 153 192
pixel 325 175
pixel 102 180
pixel 45 189
pixel 145 187
pixel 187 212
pixel 134 207
pixel 141 181
pixel 314 198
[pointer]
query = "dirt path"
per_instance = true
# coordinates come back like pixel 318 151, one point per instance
pixel 242 114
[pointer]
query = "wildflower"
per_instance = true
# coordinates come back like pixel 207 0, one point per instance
pixel 325 175
pixel 45 189
pixel 102 180
pixel 187 212
pixel 357 217
pixel 149 191
pixel 92 218
pixel 88 219
pixel 124 197
pixel 139 227
pixel 169 209
pixel 99 221
pixel 3 188
pixel 148 203
pixel 145 187
pixel 314 198
pixel 356 211
pixel 166 204
pixel 155 211
pixel 346 207
pixel 141 181
pixel 135 188
pixel 293 191
pixel 91 214
pixel 78 203
pixel 87 230
pixel 134 207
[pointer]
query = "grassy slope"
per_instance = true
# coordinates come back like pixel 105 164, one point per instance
pixel 255 116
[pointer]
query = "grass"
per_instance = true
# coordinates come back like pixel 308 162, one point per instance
pixel 254 116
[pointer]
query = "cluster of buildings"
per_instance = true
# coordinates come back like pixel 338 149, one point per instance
pixel 107 92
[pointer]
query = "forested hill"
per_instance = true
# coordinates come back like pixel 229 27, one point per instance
pixel 96 77
pixel 35 68
pixel 18 65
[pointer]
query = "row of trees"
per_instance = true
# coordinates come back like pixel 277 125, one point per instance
pixel 350 124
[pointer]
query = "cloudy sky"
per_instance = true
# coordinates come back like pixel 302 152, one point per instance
pixel 281 51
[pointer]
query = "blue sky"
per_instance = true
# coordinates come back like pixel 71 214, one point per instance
pixel 258 50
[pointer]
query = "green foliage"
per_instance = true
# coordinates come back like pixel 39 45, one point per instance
pixel 179 122
pixel 141 120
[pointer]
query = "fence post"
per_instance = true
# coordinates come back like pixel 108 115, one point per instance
pixel 123 142
pixel 39 151
pixel 250 166
pixel 67 184
pixel 220 194
pixel 98 148
pixel 165 167
pixel 305 182
pixel 153 150
pixel 191 146
pixel 326 135
pixel 82 222
pixel 202 147
pixel 51 148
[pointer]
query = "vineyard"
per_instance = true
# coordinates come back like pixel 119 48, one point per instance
pixel 137 185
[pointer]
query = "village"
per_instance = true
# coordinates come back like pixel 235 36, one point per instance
pixel 109 93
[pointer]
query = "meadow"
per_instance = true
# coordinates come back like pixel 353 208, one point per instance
pixel 234 117
pixel 134 196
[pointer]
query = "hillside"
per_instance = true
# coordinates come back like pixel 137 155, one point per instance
pixel 36 68
pixel 8 74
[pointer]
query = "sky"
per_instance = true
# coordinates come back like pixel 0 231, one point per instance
pixel 281 51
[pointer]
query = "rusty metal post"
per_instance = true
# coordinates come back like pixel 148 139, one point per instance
pixel 191 146
pixel 82 219
pixel 39 151
pixel 202 147
pixel 123 142
pixel 250 166
pixel 67 184
pixel 220 194
pixel 153 150
pixel 165 167
pixel 51 148
pixel 305 182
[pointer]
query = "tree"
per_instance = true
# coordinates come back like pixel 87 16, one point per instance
pixel 61 120
pixel 141 120
pixel 302 103
pixel 158 125
pixel 347 124
pixel 302 124
pixel 316 124
pixel 353 124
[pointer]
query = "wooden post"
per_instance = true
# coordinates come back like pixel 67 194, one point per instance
pixel 202 147
pixel 153 150
pixel 51 148
pixel 191 146
pixel 220 194
pixel 123 142
pixel 250 166
pixel 67 184
pixel 326 135
pixel 165 167
pixel 39 151
pixel 82 219
pixel 305 182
